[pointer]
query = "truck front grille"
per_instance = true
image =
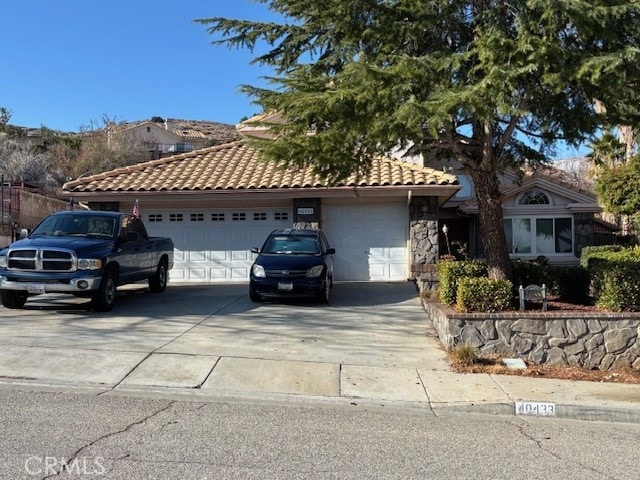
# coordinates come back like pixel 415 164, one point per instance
pixel 41 260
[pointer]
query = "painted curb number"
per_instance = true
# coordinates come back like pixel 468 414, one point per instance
pixel 538 409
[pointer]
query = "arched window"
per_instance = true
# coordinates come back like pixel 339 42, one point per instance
pixel 534 197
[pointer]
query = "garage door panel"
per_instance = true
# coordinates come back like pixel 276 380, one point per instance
pixel 239 273
pixel 219 256
pixel 370 241
pixel 197 256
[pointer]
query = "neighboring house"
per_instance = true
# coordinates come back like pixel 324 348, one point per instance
pixel 170 137
pixel 218 203
pixel 155 138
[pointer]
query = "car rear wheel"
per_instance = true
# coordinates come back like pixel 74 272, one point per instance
pixel 13 298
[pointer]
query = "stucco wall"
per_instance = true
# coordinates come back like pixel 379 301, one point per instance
pixel 587 339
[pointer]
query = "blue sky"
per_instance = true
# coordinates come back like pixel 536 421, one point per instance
pixel 68 63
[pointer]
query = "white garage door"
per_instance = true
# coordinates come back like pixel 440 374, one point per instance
pixel 370 241
pixel 214 245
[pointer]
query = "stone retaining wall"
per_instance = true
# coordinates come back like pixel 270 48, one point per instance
pixel 604 341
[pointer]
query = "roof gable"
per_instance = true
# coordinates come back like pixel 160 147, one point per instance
pixel 575 198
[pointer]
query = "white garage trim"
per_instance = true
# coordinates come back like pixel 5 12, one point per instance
pixel 370 241
pixel 213 245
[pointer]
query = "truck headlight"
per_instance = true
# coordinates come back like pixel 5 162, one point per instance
pixel 315 272
pixel 3 261
pixel 89 264
pixel 258 271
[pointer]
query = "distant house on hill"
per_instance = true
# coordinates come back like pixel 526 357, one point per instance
pixel 171 136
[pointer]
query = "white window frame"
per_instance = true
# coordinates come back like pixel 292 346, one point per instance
pixel 533 240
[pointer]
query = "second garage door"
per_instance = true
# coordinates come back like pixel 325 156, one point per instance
pixel 370 241
pixel 215 245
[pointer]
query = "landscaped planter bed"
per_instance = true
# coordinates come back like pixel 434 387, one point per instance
pixel 585 338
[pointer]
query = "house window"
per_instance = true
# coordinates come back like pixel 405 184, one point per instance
pixel 175 217
pixel 239 216
pixel 148 129
pixel 539 236
pixel 155 217
pixel 282 216
pixel 217 217
pixel 534 197
pixel 197 217
pixel 259 216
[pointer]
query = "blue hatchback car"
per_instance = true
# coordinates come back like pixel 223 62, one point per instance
pixel 292 263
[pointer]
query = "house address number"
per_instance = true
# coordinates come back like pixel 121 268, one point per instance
pixel 305 211
pixel 538 409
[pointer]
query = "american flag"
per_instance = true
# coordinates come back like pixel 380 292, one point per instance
pixel 136 209
pixel 71 206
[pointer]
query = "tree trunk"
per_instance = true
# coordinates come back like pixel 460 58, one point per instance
pixel 494 240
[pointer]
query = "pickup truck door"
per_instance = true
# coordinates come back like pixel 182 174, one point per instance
pixel 132 254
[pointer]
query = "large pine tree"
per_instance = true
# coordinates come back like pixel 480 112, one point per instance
pixel 491 84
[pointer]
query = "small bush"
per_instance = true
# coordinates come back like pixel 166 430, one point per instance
pixel 450 273
pixel 464 354
pixel 620 287
pixel 600 260
pixel 569 283
pixel 528 273
pixel 600 251
pixel 484 295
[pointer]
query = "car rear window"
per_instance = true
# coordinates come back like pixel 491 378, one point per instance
pixel 292 244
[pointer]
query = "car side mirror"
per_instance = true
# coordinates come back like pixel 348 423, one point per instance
pixel 331 251
pixel 255 250
pixel 24 233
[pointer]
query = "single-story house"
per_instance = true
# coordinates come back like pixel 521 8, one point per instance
pixel 219 202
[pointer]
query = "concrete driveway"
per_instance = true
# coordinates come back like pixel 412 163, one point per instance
pixel 370 342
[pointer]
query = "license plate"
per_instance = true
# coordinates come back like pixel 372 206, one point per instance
pixel 35 288
pixel 285 286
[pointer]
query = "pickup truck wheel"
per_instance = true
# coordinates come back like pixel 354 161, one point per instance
pixel 105 297
pixel 158 281
pixel 13 298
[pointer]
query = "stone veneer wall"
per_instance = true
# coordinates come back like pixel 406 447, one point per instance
pixel 597 340
pixel 423 232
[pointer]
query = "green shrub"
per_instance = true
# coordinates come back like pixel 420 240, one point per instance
pixel 484 295
pixel 599 260
pixel 596 252
pixel 450 273
pixel 569 283
pixel 620 286
pixel 528 273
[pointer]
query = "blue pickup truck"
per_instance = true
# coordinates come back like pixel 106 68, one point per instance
pixel 85 253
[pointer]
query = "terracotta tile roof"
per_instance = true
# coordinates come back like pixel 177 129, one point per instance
pixel 236 166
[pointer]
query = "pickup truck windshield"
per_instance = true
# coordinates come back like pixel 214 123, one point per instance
pixel 76 226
